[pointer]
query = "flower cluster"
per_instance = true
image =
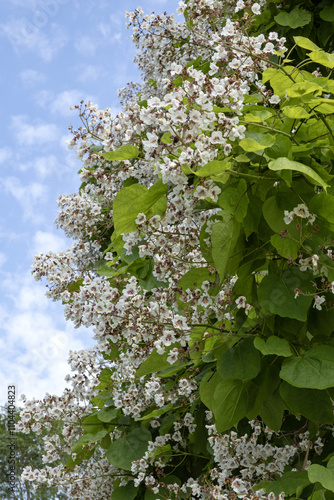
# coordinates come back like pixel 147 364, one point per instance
pixel 154 275
pixel 301 211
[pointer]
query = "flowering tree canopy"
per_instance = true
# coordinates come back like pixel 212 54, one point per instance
pixel 203 260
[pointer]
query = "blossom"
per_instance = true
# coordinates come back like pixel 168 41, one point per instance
pixel 274 99
pixel 141 218
pixel 301 210
pixel 240 301
pixel 256 9
pixel 318 300
pixel 148 316
pixel 288 217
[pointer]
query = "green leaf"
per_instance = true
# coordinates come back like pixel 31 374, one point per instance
pixel 107 414
pixel 257 114
pixel 305 43
pixel 327 13
pixel 312 370
pixel 279 81
pixel 149 281
pixel 166 138
pixel 254 212
pixel 251 145
pixel 154 363
pixel 266 384
pixel 323 204
pixel 127 492
pixel 207 388
pixel 224 238
pixel 323 475
pixel 310 403
pixel 295 112
pixel 286 247
pixel 195 277
pixel 273 345
pixel 92 438
pixel 271 411
pixel 231 401
pixel 289 483
pixel 132 447
pixel 158 412
pixel 274 216
pixel 75 286
pixel 241 361
pixel 81 455
pixel 321 57
pixel 321 321
pixel 126 152
pixel 276 293
pixel 135 199
pixel 295 19
pixel 213 168
pixel 286 164
pixel 235 200
pixel 300 89
pixel 91 423
pixel 268 74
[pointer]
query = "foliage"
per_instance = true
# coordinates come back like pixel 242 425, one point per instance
pixel 28 449
pixel 205 264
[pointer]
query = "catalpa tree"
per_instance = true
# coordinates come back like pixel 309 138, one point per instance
pixel 203 260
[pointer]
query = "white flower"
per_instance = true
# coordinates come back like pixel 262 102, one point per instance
pixel 301 211
pixel 288 217
pixel 141 218
pixel 274 99
pixel 173 355
pixel 154 102
pixel 318 301
pixel 159 399
pixel 315 259
pixel 304 264
pixel 239 6
pixel 180 322
pixel 269 47
pixel 273 36
pixel 256 9
pixel 311 219
pixel 181 8
pixel 240 302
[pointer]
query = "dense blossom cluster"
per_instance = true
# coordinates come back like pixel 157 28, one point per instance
pixel 183 116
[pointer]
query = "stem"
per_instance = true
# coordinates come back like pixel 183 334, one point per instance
pixel 270 128
pixel 306 455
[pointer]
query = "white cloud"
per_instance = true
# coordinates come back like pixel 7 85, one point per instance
pixel 5 154
pixel 35 339
pixel 30 197
pixel 26 35
pixel 44 242
pixel 25 3
pixel 43 98
pixel 31 77
pixel 86 45
pixel 105 30
pixel 108 33
pixel 62 102
pixel 46 166
pixel 3 259
pixel 29 134
pixel 90 73
pixel 38 350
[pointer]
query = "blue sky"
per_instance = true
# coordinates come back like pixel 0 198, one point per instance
pixel 53 54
